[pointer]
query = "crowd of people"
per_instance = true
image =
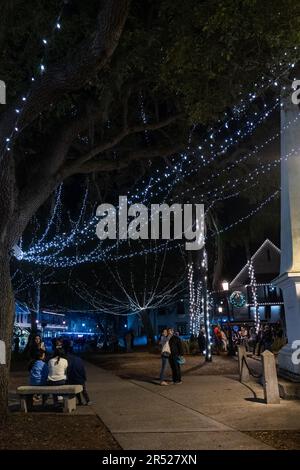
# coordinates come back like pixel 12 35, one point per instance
pixel 225 339
pixel 61 367
pixel 230 336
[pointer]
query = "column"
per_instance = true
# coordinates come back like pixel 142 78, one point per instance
pixel 289 278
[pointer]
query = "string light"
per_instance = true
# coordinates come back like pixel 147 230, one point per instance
pixel 80 237
pixel 192 299
pixel 130 298
pixel 265 303
pixel 254 295
pixel 23 99
pixel 100 255
pixel 91 225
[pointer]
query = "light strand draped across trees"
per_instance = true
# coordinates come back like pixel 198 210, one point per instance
pixel 18 204
pixel 26 182
pixel 83 108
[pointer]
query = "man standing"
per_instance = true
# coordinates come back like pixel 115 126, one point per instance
pixel 201 341
pixel 176 351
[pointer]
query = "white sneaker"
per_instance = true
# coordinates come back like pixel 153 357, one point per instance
pixel 164 383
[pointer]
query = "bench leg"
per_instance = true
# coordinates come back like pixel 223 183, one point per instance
pixel 23 403
pixel 69 404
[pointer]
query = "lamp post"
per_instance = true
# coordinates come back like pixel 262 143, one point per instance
pixel 231 351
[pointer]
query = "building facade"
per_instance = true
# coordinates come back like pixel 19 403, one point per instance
pixel 266 266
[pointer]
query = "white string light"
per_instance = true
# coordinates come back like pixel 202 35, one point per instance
pixel 254 295
pixel 80 237
pixel 88 231
pixel 7 145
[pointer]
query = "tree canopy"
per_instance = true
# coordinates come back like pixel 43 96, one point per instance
pixel 185 63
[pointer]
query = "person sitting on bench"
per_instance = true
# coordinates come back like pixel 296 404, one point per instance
pixel 57 370
pixel 76 375
pixel 38 375
pixel 38 370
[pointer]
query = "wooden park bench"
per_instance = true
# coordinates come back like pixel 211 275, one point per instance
pixel 68 392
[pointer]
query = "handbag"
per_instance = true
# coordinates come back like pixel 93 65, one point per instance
pixel 180 360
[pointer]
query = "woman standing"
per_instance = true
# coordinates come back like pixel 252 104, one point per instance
pixel 37 345
pixel 165 354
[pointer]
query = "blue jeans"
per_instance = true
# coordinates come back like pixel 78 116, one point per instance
pixel 53 384
pixel 164 362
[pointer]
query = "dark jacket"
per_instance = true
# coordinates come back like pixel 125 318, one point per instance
pixel 76 374
pixel 176 346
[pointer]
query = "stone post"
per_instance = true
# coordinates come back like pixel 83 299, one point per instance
pixel 270 382
pixel 243 370
pixel 289 278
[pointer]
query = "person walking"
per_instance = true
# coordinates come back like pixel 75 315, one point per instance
pixel 224 340
pixel 165 354
pixel 176 350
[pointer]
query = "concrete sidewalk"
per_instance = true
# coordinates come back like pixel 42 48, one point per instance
pixel 205 412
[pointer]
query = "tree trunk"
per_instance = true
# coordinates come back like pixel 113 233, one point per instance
pixel 18 204
pixel 7 313
pixel 148 326
pixel 218 263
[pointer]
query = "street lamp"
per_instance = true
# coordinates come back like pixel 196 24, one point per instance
pixel 225 285
pixel 231 351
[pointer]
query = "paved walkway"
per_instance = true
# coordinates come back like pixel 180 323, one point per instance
pixel 205 412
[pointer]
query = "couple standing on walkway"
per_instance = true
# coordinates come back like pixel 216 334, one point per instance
pixel 171 352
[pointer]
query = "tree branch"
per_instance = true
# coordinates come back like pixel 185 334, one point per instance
pixel 143 154
pixel 71 75
pixel 79 163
